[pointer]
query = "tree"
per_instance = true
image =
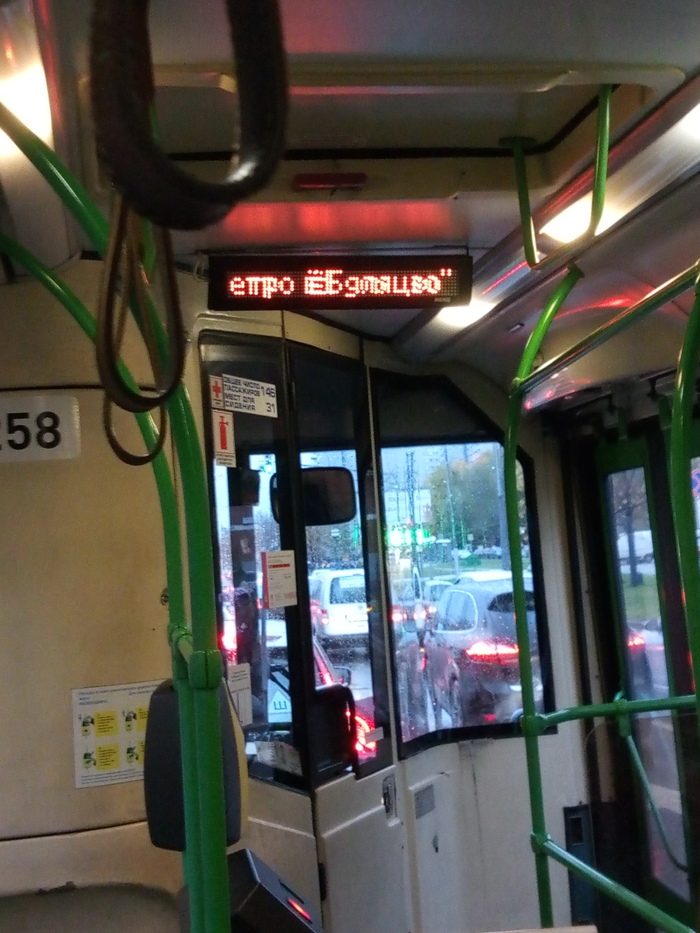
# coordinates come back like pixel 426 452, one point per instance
pixel 628 503
pixel 467 490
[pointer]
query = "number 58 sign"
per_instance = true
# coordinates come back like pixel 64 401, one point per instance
pixel 38 427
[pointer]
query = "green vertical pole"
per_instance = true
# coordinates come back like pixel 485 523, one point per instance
pixel 681 490
pixel 532 753
pixel 161 470
pixel 202 765
pixel 173 556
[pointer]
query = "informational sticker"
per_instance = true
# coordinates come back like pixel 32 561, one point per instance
pixel 38 427
pixel 224 441
pixel 279 704
pixel 279 579
pixel 238 680
pixel 216 391
pixel 109 733
pixel 249 395
pixel 279 755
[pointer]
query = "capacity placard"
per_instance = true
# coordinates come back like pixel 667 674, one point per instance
pixel 233 393
pixel 38 427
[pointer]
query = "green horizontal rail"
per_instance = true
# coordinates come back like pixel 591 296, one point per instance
pixel 617 892
pixel 197 680
pixel 540 722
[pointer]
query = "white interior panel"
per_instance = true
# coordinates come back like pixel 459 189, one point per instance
pixel 111 909
pixel 363 851
pixel 280 831
pixel 117 855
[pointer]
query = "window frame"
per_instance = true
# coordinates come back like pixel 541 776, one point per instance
pixel 491 434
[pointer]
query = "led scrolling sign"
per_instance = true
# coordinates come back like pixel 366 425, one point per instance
pixel 333 282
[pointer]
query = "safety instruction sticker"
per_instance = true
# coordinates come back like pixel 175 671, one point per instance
pixel 239 686
pixel 224 440
pixel 38 427
pixel 109 733
pixel 279 579
pixel 232 393
pixel 216 391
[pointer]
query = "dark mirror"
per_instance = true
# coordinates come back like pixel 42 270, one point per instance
pixel 328 493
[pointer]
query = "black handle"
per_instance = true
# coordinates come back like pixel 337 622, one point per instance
pixel 122 94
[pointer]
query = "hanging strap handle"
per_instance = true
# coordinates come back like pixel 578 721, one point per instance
pixel 122 95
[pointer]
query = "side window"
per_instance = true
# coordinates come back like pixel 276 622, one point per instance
pixel 445 525
pixel 636 582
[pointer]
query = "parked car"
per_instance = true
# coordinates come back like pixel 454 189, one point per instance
pixel 338 602
pixel 409 663
pixel 646 660
pixel 432 591
pixel 472 656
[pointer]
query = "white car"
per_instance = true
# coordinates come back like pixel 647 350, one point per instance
pixel 339 605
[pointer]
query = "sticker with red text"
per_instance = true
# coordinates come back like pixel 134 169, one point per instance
pixel 279 579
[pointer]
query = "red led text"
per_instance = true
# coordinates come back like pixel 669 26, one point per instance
pixel 335 283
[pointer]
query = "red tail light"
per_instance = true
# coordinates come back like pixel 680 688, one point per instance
pixel 420 615
pixel 397 615
pixel 491 652
pixel 324 617
pixel 635 640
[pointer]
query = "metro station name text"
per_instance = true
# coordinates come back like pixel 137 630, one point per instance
pixel 336 283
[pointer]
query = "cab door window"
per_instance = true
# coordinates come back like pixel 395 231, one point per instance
pixel 342 556
pixel 248 447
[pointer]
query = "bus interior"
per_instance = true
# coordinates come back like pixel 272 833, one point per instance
pixel 388 620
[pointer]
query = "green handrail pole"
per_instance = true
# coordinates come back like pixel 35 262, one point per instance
pixel 161 470
pixel 600 172
pixel 544 721
pixel 526 221
pixel 171 527
pixel 681 491
pixel 516 559
pixel 649 794
pixel 651 302
pixel 617 892
pixel 210 849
